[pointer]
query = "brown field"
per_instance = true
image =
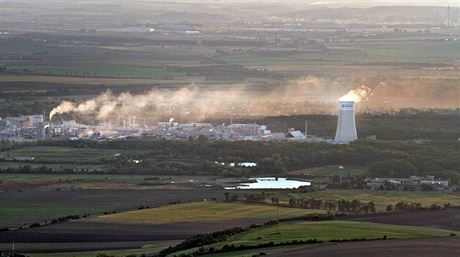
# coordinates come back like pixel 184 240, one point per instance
pixel 29 206
pixel 444 219
pixel 75 247
pixel 439 247
pixel 86 232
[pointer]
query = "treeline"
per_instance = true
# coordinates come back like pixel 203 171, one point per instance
pixel 354 206
pixel 159 157
pixel 407 124
pixel 385 158
pixel 341 206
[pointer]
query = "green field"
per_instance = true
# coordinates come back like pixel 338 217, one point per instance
pixel 23 181
pixel 97 71
pixel 53 154
pixel 17 214
pixel 203 211
pixel 55 167
pixel 332 170
pixel 359 53
pixel 81 177
pixel 330 230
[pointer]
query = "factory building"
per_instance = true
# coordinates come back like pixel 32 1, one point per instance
pixel 34 127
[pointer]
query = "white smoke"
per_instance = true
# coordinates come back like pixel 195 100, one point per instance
pixel 310 95
pixel 357 95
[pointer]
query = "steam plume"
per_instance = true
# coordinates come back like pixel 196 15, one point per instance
pixel 309 95
pixel 357 95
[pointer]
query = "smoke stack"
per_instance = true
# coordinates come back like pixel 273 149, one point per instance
pixel 306 128
pixel 346 127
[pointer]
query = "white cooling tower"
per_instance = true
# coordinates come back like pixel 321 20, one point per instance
pixel 346 128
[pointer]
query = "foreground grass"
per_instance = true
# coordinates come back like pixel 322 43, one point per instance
pixel 330 230
pixel 203 211
pixel 319 230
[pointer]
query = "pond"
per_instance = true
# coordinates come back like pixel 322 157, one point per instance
pixel 271 183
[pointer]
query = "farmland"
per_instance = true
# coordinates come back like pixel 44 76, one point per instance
pixel 425 247
pixel 384 198
pixel 361 53
pixel 30 206
pixel 203 212
pixel 145 249
pixel 123 72
pixel 282 233
pixel 330 230
pixel 282 64
pixel 45 154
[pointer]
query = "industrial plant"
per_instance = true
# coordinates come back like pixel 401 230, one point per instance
pixel 35 127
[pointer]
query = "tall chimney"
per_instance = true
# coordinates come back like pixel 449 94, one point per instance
pixel 346 127
pixel 306 128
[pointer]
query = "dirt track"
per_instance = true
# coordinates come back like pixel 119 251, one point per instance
pixel 434 247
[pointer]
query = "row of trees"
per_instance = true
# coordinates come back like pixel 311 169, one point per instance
pixel 354 206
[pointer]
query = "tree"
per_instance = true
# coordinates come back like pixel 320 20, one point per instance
pixel 371 206
pixel 392 168
pixel 234 197
pixel 355 205
pixel 389 208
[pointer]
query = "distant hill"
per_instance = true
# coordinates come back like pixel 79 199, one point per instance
pixel 190 17
pixel 435 15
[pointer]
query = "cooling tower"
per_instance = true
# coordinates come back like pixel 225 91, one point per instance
pixel 346 128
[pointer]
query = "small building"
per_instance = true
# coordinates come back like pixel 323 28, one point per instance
pixel 24 158
pixel 412 183
pixel 296 135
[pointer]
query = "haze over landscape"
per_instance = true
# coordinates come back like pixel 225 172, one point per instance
pixel 229 128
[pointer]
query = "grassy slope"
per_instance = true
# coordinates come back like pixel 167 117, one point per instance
pixel 327 230
pixel 203 211
pixel 323 230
